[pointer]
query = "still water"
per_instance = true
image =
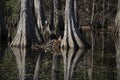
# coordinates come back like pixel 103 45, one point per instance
pixel 28 64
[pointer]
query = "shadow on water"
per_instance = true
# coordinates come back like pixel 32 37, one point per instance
pixel 3 46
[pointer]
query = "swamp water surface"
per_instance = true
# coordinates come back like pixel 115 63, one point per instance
pixel 28 64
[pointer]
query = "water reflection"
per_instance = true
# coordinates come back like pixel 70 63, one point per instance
pixel 70 58
pixel 20 54
pixel 37 68
pixel 58 65
pixel 118 65
pixel 3 46
pixel 88 62
pixel 54 65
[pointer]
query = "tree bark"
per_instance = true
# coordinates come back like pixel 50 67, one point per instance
pixel 27 32
pixel 117 39
pixel 40 16
pixel 56 20
pixel 72 36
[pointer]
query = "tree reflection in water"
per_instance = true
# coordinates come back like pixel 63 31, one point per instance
pixel 70 58
pixel 54 66
pixel 118 65
pixel 20 54
pixel 37 68
pixel 44 65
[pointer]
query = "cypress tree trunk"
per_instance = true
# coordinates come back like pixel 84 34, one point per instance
pixel 27 32
pixel 72 36
pixel 57 8
pixel 117 39
pixel 56 17
pixel 40 16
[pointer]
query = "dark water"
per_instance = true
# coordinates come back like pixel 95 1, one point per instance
pixel 28 64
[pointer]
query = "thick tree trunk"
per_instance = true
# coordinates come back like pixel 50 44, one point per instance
pixel 27 32
pixel 72 36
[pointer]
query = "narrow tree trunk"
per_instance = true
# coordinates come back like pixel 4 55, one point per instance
pixel 72 36
pixel 27 32
pixel 76 14
pixel 92 41
pixel 56 15
pixel 103 25
pixel 56 20
pixel 40 16
pixel 117 39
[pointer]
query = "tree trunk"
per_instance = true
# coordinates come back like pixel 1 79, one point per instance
pixel 40 16
pixel 56 19
pixel 0 21
pixel 27 32
pixel 117 39
pixel 72 36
